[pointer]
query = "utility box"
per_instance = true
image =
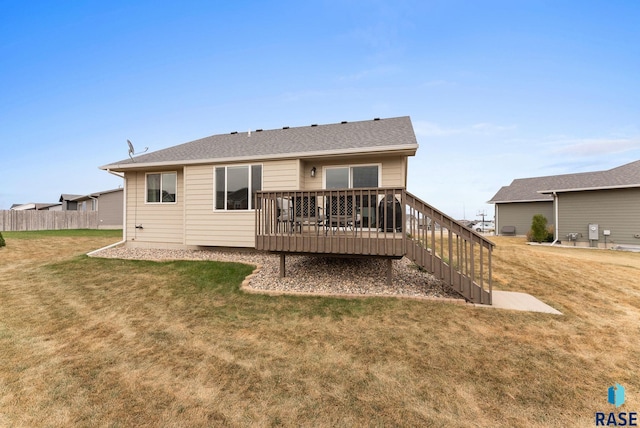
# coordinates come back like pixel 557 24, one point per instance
pixel 593 232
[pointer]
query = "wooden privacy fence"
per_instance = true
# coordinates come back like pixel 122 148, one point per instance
pixel 14 220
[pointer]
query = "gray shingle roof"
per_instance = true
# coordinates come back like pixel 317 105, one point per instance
pixel 540 188
pixel 346 137
pixel 36 205
pixel 95 194
pixel 68 197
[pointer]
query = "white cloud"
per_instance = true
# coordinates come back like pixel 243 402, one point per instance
pixel 595 146
pixel 437 83
pixel 490 128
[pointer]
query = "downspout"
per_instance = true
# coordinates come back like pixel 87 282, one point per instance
pixel 93 198
pixel 124 216
pixel 555 208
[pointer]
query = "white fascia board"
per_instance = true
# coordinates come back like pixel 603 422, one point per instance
pixel 520 201
pixel 23 207
pixel 409 148
pixel 582 189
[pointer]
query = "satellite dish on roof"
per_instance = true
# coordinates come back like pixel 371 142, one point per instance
pixel 132 151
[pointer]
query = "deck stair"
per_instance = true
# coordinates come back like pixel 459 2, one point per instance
pixel 449 250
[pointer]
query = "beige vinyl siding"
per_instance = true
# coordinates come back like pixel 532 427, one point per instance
pixel 304 172
pixel 281 175
pixel 193 221
pixel 206 226
pixel 393 169
pixel 616 210
pixel 520 215
pixel 393 172
pixel 404 172
pixel 162 223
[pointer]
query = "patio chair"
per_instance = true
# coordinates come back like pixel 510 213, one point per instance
pixel 284 214
pixel 341 212
pixel 306 212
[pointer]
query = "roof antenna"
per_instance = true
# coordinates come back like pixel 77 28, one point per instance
pixel 132 151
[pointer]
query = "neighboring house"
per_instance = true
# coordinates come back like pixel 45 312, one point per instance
pixel 319 189
pixel 108 203
pixel 33 206
pixel 69 202
pixel 576 203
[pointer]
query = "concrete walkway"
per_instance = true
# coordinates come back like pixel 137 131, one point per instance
pixel 519 302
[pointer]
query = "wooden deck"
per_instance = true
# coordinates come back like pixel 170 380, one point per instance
pixel 365 243
pixel 375 222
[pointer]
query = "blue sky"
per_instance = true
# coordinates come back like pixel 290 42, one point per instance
pixel 496 90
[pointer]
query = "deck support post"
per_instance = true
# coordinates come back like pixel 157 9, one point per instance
pixel 282 265
pixel 389 272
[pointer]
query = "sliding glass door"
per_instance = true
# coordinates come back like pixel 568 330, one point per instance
pixel 357 177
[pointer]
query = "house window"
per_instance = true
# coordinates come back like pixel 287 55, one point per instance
pixel 352 177
pixel 161 187
pixel 236 185
pixel 337 178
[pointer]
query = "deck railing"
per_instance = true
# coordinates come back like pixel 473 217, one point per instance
pixel 340 221
pixel 383 222
pixel 449 250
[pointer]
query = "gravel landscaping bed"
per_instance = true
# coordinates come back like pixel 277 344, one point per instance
pixel 310 274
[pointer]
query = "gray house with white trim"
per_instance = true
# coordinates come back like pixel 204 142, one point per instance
pixel 600 208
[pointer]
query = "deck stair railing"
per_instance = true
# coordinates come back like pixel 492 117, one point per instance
pixel 382 222
pixel 448 250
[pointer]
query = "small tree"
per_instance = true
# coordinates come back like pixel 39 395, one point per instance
pixel 539 231
pixel 2 243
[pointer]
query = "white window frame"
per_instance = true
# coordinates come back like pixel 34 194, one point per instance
pixel 350 166
pixel 226 181
pixel 146 187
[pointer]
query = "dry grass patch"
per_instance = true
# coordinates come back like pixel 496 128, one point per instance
pixel 123 343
